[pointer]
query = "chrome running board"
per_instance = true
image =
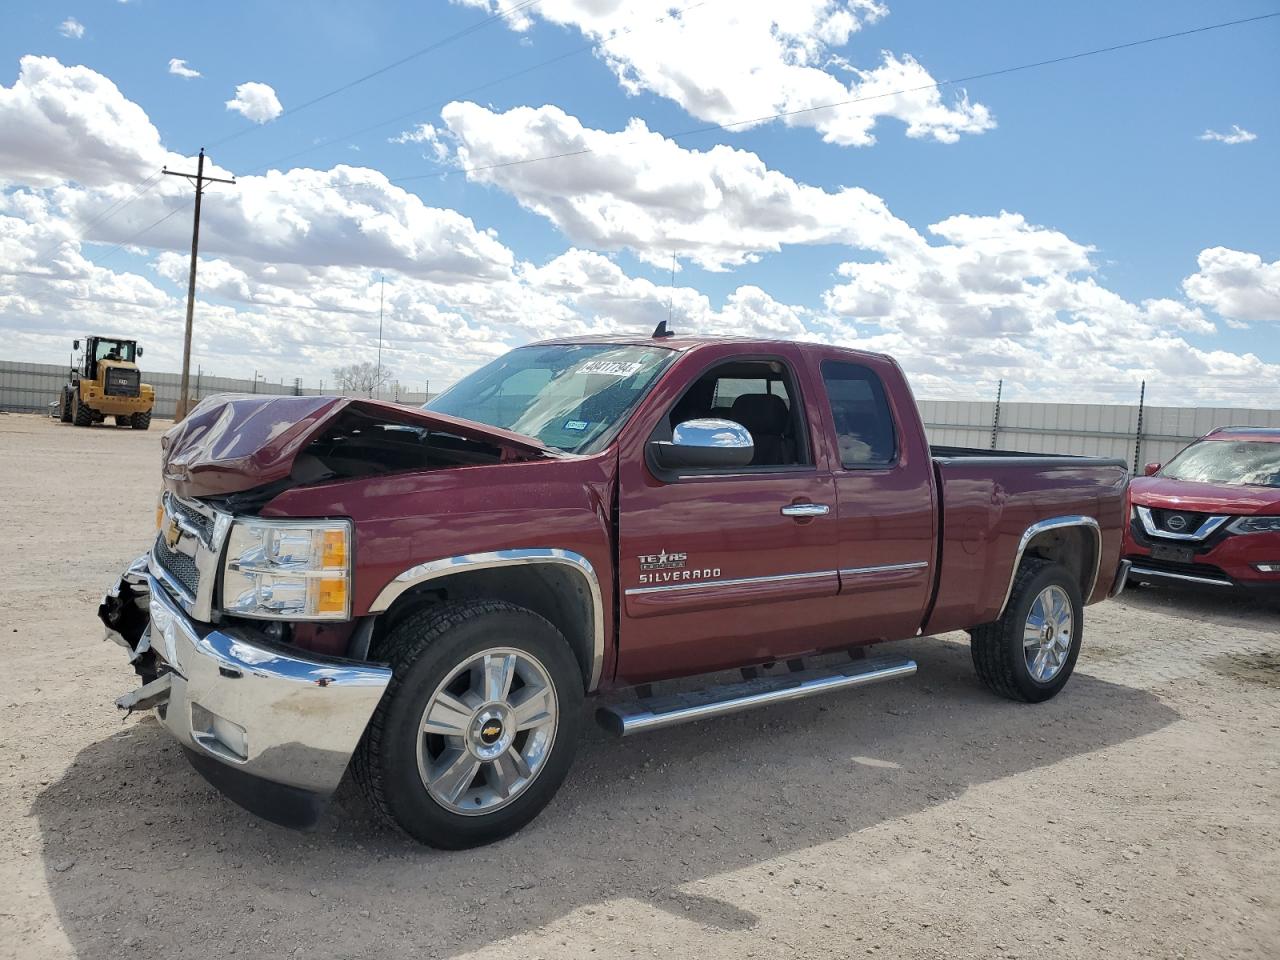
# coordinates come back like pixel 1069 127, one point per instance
pixel 654 713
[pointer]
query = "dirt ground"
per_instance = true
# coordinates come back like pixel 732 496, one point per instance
pixel 1133 816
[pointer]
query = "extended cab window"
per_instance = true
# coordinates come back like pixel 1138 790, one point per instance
pixel 864 426
pixel 760 395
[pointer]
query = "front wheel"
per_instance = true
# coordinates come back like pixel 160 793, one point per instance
pixel 81 415
pixel 478 726
pixel 1030 652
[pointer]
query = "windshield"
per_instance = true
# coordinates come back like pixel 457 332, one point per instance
pixel 567 396
pixel 1245 462
pixel 114 350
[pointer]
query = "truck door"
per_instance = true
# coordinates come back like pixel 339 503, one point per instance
pixel 886 516
pixel 724 567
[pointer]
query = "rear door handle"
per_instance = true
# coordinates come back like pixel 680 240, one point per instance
pixel 805 510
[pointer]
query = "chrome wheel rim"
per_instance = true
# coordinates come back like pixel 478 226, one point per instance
pixel 1046 638
pixel 487 731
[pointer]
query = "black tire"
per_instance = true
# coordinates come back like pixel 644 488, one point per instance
pixel 140 421
pixel 423 650
pixel 997 648
pixel 81 415
pixel 65 413
pixel 124 420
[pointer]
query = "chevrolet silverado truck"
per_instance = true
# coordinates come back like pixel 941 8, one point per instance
pixel 426 598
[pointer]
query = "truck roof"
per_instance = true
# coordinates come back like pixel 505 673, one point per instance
pixel 682 342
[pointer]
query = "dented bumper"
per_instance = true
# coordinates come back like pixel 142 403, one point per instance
pixel 269 726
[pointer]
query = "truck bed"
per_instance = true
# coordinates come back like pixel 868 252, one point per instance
pixel 990 498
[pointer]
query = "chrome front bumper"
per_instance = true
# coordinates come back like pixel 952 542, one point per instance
pixel 269 725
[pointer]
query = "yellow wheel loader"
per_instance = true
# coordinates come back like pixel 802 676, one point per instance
pixel 106 382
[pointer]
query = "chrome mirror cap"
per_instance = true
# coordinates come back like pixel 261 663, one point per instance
pixel 711 432
pixel 707 444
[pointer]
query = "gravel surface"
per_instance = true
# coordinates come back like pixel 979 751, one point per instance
pixel 1133 816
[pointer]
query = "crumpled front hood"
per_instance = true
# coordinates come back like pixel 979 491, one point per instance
pixel 234 442
pixel 1164 493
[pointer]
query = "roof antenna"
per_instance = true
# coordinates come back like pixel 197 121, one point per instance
pixel 661 330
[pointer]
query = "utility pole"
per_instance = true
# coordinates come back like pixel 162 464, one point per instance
pixel 199 179
pixel 377 380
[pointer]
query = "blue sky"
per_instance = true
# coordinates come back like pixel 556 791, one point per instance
pixel 1105 150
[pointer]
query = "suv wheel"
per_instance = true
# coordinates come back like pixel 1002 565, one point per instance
pixel 478 726
pixel 1030 652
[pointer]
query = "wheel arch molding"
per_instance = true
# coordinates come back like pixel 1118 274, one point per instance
pixel 559 585
pixel 1075 541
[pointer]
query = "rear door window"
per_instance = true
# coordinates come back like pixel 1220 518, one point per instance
pixel 864 425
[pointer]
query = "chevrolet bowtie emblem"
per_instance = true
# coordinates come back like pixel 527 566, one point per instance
pixel 172 534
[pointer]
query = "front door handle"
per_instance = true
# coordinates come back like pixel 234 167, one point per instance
pixel 805 510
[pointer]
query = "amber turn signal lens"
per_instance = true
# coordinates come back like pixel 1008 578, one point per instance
pixel 333 553
pixel 333 596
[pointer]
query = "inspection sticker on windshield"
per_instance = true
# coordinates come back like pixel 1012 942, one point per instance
pixel 576 424
pixel 610 368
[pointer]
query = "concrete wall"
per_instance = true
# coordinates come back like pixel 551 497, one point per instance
pixel 1092 429
pixel 31 387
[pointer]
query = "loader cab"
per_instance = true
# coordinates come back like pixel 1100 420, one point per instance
pixel 110 349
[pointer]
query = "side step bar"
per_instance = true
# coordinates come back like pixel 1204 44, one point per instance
pixel 654 713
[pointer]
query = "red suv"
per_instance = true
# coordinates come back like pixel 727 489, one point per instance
pixel 1211 515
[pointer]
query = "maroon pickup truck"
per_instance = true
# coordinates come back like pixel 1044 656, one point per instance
pixel 426 597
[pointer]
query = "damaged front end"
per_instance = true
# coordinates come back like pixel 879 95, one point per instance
pixel 270 726
pixel 208 614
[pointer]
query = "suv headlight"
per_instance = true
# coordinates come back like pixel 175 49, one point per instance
pixel 288 569
pixel 1256 525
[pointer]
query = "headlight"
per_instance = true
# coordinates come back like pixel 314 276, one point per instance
pixel 1256 525
pixel 288 569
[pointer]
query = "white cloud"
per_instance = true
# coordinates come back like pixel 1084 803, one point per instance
pixel 179 68
pixel 71 123
pixel 636 189
pixel 289 261
pixel 428 136
pixel 1237 134
pixel 256 101
pixel 71 28
pixel 734 62
pixel 1240 286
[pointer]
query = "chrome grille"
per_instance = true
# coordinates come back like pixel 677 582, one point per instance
pixel 193 517
pixel 178 565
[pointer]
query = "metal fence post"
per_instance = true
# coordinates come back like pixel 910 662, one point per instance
pixel 995 421
pixel 1137 437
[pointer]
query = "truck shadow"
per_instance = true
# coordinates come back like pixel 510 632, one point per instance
pixel 1210 604
pixel 136 845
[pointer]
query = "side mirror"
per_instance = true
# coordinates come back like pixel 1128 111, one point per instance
pixel 1151 469
pixel 705 444
pixel 139 351
pixel 75 344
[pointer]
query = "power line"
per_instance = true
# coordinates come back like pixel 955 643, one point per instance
pixel 435 105
pixel 937 84
pixel 105 214
pixel 97 261
pixel 443 41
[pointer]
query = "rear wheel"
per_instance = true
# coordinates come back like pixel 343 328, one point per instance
pixel 478 727
pixel 64 413
pixel 124 420
pixel 1030 652
pixel 140 421
pixel 81 415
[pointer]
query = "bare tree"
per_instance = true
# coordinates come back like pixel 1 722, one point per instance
pixel 361 378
